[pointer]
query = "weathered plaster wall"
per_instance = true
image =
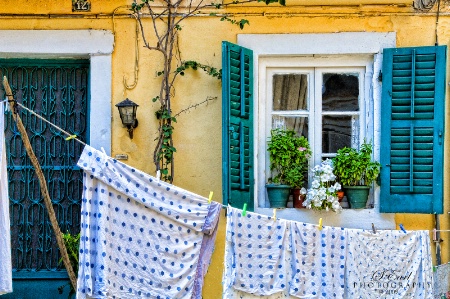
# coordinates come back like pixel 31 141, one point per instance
pixel 198 133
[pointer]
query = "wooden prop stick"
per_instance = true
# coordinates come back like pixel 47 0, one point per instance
pixel 43 185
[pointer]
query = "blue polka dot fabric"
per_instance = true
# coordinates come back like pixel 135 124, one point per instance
pixel 6 283
pixel 258 252
pixel 140 237
pixel 388 264
pixel 318 261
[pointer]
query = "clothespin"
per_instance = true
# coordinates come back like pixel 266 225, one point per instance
pixel 101 148
pixel 434 235
pixel 402 228
pixel 320 223
pixel 158 175
pixel 71 137
pixel 274 216
pixel 210 196
pixel 373 229
pixel 244 209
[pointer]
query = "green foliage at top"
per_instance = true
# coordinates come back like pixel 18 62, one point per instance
pixel 356 168
pixel 289 155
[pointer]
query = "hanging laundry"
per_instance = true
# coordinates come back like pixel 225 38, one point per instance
pixel 141 237
pixel 257 253
pixel 441 277
pixel 5 234
pixel 318 261
pixel 388 264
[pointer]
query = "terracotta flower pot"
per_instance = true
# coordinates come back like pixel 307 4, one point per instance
pixel 298 198
pixel 340 195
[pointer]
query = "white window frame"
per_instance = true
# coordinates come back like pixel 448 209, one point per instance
pixel 319 50
pixel 95 45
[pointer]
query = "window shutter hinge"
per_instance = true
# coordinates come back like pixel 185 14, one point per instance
pixel 380 76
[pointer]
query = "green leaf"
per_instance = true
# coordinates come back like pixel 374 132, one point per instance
pixel 242 23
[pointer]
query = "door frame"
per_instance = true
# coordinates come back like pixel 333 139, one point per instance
pixel 95 45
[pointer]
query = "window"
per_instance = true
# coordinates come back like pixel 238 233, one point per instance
pixel 324 98
pixel 289 73
pixel 323 104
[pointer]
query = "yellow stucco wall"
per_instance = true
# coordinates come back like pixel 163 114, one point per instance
pixel 198 133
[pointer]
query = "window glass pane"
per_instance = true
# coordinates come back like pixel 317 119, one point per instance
pixel 298 124
pixel 340 92
pixel 339 131
pixel 290 92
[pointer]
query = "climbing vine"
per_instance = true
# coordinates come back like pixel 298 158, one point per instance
pixel 165 20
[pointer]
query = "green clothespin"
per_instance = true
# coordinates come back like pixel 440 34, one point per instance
pixel 244 209
pixel 71 137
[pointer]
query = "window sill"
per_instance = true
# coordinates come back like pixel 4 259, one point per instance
pixel 349 218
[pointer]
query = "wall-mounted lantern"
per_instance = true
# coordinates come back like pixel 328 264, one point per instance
pixel 127 111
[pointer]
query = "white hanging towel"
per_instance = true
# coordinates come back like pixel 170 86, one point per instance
pixel 318 262
pixel 5 233
pixel 257 253
pixel 141 238
pixel 388 264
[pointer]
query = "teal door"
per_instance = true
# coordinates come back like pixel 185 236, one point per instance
pixel 59 91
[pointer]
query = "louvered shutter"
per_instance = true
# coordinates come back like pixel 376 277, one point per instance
pixel 412 130
pixel 237 124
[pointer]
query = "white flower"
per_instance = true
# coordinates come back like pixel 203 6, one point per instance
pixel 335 205
pixel 303 191
pixel 322 194
pixel 315 184
pixel 337 186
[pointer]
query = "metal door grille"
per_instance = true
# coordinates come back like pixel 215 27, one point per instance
pixel 59 91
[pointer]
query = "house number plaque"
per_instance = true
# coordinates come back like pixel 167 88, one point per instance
pixel 81 5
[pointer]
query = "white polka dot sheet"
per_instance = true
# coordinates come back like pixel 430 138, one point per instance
pixel 5 229
pixel 388 264
pixel 258 245
pixel 318 261
pixel 141 237
pixel 279 259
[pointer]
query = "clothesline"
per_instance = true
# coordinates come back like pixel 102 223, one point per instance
pixel 71 136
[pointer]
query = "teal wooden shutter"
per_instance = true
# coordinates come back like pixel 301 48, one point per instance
pixel 412 130
pixel 237 125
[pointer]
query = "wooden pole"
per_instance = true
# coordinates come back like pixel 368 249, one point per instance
pixel 43 185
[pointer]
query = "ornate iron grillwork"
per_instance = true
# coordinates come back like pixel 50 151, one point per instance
pixel 58 90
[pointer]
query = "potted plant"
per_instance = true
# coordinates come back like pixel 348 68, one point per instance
pixel 288 155
pixel 323 192
pixel 356 171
